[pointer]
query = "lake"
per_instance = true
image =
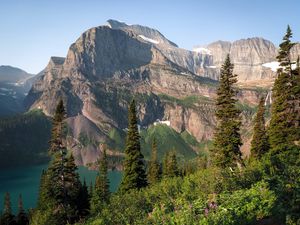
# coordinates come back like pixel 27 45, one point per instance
pixel 26 181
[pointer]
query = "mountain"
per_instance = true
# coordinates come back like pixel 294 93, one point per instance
pixel 14 85
pixel 12 74
pixel 254 59
pixel 109 65
pixel 197 62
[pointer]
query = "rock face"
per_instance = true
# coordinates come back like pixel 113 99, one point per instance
pixel 195 62
pixel 109 65
pixel 248 56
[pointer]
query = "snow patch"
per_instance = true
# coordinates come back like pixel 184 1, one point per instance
pixel 275 65
pixel 166 122
pixel 202 50
pixel 213 67
pixel 149 39
pixel 272 65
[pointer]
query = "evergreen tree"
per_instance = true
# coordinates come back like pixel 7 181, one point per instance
pixel 153 175
pixel 101 191
pixel 60 185
pixel 227 140
pixel 83 201
pixel 43 191
pixel 260 142
pixel 7 217
pixel 283 135
pixel 22 218
pixel 134 176
pixel 91 190
pixel 56 142
pixel 170 166
pixel 283 121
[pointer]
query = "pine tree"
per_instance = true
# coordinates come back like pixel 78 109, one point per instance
pixel 227 140
pixel 56 144
pixel 283 133
pixel 134 176
pixel 101 191
pixel 60 185
pixel 43 191
pixel 170 166
pixel 7 217
pixel 282 124
pixel 153 175
pixel 260 142
pixel 22 218
pixel 83 200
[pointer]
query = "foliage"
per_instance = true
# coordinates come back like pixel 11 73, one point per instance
pixel 101 191
pixel 260 142
pixel 227 139
pixel 7 218
pixel 170 166
pixel 22 218
pixel 25 139
pixel 154 173
pixel 134 176
pixel 60 185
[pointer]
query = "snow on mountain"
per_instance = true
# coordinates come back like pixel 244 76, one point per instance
pixel 202 50
pixel 275 65
pixel 149 39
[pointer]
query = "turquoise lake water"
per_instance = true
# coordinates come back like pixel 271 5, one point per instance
pixel 25 181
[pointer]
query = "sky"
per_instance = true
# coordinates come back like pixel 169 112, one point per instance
pixel 31 31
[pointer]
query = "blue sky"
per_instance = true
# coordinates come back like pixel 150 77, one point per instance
pixel 32 31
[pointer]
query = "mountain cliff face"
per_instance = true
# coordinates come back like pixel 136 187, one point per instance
pixel 248 56
pixel 254 59
pixel 109 65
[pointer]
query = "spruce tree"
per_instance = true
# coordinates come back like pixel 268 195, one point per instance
pixel 60 184
pixel 134 176
pixel 153 175
pixel 227 139
pixel 283 133
pixel 83 200
pixel 56 142
pixel 7 217
pixel 170 166
pixel 22 218
pixel 260 142
pixel 101 191
pixel 282 124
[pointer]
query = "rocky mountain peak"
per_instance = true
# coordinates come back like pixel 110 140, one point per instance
pixel 146 33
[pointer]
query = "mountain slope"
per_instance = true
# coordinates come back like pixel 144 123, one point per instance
pixel 104 69
pixel 14 85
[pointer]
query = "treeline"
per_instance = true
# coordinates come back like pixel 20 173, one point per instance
pixel 24 139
